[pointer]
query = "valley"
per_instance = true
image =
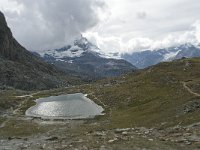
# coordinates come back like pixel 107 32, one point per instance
pixel 155 108
pixel 72 90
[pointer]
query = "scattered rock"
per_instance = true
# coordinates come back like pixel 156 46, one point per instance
pixel 122 130
pixel 84 147
pixel 24 147
pixel 43 146
pixel 191 106
pixel 113 140
pixel 12 138
pixel 125 133
pixel 188 142
pixel 52 138
pixel 146 132
pixel 80 141
pixel 103 147
pixel 100 133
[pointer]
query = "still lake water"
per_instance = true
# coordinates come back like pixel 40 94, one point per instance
pixel 69 106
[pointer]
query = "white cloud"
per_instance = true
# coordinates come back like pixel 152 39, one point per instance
pixel 196 32
pixel 114 25
pixel 147 24
pixel 10 6
pixel 47 24
pixel 116 44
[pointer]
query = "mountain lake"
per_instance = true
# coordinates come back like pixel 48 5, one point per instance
pixel 69 106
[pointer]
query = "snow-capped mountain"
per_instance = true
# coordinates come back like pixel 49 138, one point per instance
pixel 76 49
pixel 151 57
pixel 82 58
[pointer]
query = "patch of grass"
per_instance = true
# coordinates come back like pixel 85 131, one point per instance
pixel 20 128
pixel 2 119
pixel 8 99
pixel 26 105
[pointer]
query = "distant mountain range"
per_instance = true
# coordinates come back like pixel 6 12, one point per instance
pixel 84 59
pixel 148 58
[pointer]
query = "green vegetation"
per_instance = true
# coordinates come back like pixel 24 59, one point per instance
pixel 150 97
pixel 2 119
pixel 8 99
pixel 160 97
pixel 19 128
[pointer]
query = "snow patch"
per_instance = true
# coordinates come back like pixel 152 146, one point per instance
pixel 170 55
pixel 74 51
pixel 77 49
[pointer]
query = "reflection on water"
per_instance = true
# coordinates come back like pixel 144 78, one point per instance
pixel 70 106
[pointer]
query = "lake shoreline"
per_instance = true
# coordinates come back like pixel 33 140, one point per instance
pixel 65 107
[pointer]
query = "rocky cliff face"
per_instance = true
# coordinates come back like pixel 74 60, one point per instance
pixel 21 69
pixel 8 45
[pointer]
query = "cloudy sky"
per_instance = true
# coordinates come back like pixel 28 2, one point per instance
pixel 114 25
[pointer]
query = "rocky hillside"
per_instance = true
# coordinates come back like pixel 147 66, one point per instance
pixel 148 58
pixel 157 108
pixel 84 59
pixel 21 69
pixel 167 93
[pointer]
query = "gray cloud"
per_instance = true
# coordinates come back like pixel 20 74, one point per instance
pixel 147 24
pixel 114 25
pixel 45 24
pixel 141 15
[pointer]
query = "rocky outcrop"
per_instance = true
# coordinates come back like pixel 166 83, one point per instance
pixel 21 69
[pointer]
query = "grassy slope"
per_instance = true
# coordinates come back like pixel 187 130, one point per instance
pixel 147 98
pixel 152 96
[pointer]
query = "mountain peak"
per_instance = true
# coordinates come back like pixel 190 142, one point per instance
pixel 81 41
pixel 82 58
pixel 78 48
